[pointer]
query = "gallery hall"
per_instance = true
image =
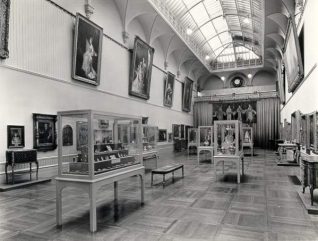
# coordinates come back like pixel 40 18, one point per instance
pixel 158 120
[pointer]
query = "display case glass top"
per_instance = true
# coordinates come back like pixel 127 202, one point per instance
pixel 228 138
pixel 205 136
pixel 105 143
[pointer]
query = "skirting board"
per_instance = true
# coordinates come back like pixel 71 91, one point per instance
pixel 305 199
pixel 8 187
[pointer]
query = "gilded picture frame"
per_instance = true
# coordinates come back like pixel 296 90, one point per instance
pixel 4 28
pixel 187 94
pixel 44 132
pixel 15 136
pixel 168 90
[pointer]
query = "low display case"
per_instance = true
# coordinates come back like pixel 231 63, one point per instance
pixel 296 126
pixel 192 138
pixel 313 131
pixel 106 143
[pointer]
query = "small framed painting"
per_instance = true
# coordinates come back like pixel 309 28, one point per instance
pixel 15 136
pixel 44 132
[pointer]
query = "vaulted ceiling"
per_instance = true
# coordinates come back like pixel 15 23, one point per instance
pixel 225 35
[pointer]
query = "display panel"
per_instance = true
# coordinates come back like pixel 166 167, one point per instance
pixel 228 138
pixel 106 143
pixel 295 126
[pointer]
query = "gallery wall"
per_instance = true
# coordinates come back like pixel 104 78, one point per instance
pixel 305 97
pixel 36 78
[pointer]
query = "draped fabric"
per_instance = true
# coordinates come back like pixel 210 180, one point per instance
pixel 268 119
pixel 202 114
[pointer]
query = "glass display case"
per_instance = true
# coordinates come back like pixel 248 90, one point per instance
pixel 304 131
pixel 176 131
pixel 205 136
pixel 313 131
pixel 247 135
pixel 105 144
pixel 149 137
pixel 228 138
pixel 193 136
pixel 182 132
pixel 295 126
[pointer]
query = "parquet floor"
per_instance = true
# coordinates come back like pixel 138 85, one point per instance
pixel 265 206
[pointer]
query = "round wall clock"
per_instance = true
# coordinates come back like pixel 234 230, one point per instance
pixel 237 81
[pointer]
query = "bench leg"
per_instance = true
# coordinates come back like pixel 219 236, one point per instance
pixel 164 180
pixel 30 171
pixel 37 170
pixel 6 171
pixel 142 187
pixel 151 179
pixel 172 176
pixel 12 174
pixel 182 172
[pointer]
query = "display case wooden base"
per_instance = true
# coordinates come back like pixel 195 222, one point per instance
pixel 226 158
pixel 92 188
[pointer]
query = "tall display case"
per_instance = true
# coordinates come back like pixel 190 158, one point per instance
pixel 205 141
pixel 182 132
pixel 248 136
pixel 176 131
pixel 313 131
pixel 228 144
pixel 304 140
pixel 296 126
pixel 192 138
pixel 149 137
pixel 99 157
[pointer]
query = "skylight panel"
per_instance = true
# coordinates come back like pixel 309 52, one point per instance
pixel 190 3
pixel 199 14
pixel 214 8
pixel 208 30
pixel 225 37
pixel 215 43
pixel 220 24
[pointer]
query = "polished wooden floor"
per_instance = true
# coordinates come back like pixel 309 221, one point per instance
pixel 265 206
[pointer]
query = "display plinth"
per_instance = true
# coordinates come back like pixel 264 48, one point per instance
pixel 228 146
pixel 205 141
pixel 105 152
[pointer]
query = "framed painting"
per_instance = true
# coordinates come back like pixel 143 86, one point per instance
pixel 140 69
pixel 87 52
pixel 168 90
pixel 67 136
pixel 81 134
pixel 4 28
pixel 44 132
pixel 15 136
pixel 162 135
pixel 187 95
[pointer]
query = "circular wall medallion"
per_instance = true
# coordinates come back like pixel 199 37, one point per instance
pixel 237 81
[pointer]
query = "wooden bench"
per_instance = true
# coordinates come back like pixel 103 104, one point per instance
pixel 165 170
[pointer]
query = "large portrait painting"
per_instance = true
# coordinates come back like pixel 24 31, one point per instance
pixel 44 132
pixel 15 136
pixel 87 53
pixel 244 111
pixel 140 69
pixel 168 90
pixel 4 28
pixel 187 94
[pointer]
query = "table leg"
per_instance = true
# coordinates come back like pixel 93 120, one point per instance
pixel 182 172
pixel 12 174
pixel 198 157
pixel 238 171
pixel 30 170
pixel 92 208
pixel 142 187
pixel 6 171
pixel 312 195
pixel 151 179
pixel 164 180
pixel 216 178
pixel 223 168
pixel 173 176
pixel 116 193
pixel 37 170
pixel 242 166
pixel 58 203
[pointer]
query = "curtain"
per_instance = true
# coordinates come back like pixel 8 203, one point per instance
pixel 268 119
pixel 202 114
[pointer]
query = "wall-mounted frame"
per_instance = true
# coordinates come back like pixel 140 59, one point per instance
pixel 44 132
pixel 187 95
pixel 168 90
pixel 4 28
pixel 162 135
pixel 292 58
pixel 87 52
pixel 15 136
pixel 67 135
pixel 140 69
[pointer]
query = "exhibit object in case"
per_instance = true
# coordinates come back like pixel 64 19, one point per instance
pixel 313 131
pixel 101 159
pixel 296 126
pixel 228 145
pixel 248 140
pixel 205 141
pixel 192 138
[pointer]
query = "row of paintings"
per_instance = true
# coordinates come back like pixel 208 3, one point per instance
pixel 87 55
